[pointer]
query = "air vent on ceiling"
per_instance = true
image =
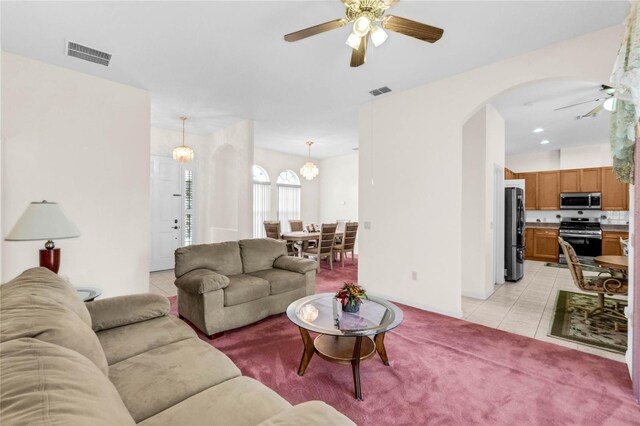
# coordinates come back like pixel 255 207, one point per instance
pixel 88 54
pixel 380 91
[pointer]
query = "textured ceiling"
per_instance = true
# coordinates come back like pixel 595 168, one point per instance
pixel 220 62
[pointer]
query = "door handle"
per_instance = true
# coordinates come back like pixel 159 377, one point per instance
pixel 175 227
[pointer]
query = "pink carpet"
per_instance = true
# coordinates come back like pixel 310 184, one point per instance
pixel 444 371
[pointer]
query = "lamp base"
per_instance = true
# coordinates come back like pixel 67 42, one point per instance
pixel 50 259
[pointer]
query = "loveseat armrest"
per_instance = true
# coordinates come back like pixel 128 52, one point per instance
pixel 311 413
pixel 124 310
pixel 200 281
pixel 295 264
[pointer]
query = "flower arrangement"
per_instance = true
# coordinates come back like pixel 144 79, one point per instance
pixel 351 296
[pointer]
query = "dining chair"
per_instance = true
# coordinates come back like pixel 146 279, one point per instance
pixel 348 242
pixel 272 229
pixel 296 225
pixel 601 285
pixel 324 248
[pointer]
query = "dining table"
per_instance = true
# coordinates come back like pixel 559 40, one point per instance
pixel 620 263
pixel 303 237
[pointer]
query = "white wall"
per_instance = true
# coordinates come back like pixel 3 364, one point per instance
pixel 339 188
pixel 576 157
pixel 275 162
pixel 83 142
pixel 482 150
pixel 223 181
pixel 411 168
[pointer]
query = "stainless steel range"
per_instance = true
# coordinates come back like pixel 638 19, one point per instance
pixel 585 236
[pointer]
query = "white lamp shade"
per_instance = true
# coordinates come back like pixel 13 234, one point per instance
pixel 43 221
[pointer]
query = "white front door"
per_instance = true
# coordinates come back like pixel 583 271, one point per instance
pixel 166 212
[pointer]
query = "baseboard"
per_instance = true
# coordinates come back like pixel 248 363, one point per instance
pixel 477 295
pixel 421 306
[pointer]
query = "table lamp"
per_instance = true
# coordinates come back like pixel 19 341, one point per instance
pixel 44 221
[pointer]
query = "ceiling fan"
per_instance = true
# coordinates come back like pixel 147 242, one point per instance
pixel 608 103
pixel 368 20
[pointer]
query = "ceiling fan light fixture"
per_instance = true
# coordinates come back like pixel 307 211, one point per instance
pixel 378 35
pixel 610 104
pixel 361 26
pixel 353 41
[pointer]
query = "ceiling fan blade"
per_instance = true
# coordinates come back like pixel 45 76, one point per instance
pixel 349 2
pixel 579 103
pixel 359 55
pixel 390 3
pixel 412 28
pixel 316 29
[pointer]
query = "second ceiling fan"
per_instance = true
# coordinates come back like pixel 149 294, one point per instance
pixel 369 20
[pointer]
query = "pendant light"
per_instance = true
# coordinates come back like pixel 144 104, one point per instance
pixel 309 170
pixel 183 153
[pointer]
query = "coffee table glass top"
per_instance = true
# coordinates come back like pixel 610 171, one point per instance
pixel 322 313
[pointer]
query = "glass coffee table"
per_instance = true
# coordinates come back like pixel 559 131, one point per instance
pixel 344 338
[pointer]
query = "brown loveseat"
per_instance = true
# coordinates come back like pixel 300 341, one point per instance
pixel 228 285
pixel 121 361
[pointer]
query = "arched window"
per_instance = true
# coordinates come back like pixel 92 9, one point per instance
pixel 288 198
pixel 261 200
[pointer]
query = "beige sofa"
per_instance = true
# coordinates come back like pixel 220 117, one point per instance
pixel 228 285
pixel 121 361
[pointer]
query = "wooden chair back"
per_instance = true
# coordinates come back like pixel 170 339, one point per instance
pixel 572 262
pixel 296 225
pixel 350 233
pixel 624 247
pixel 327 237
pixel 272 229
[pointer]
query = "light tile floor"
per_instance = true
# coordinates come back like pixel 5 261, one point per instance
pixel 526 307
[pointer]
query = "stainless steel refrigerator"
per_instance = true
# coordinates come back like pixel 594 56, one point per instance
pixel 514 233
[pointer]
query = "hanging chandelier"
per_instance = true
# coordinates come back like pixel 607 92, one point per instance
pixel 309 170
pixel 183 153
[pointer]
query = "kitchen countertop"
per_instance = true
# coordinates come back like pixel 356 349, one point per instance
pixel 554 225
pixel 614 227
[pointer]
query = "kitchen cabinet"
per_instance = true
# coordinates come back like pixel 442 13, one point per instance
pixel 545 244
pixel 509 174
pixel 528 243
pixel 581 180
pixel 548 189
pixel 530 190
pixel 611 242
pixel 615 194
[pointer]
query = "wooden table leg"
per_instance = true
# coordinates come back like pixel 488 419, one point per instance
pixel 379 339
pixel 355 367
pixel 308 351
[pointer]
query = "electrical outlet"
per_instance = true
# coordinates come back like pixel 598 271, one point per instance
pixel 367 225
pixel 414 275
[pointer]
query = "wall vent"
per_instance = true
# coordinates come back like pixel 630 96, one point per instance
pixel 380 91
pixel 88 54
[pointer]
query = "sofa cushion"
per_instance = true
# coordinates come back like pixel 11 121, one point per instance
pixel 47 384
pixel 200 281
pixel 122 310
pixel 223 258
pixel 44 283
pixel 160 378
pixel 260 253
pixel 245 288
pixel 124 342
pixel 311 413
pixel 281 281
pixel 43 319
pixel 239 401
pixel 295 264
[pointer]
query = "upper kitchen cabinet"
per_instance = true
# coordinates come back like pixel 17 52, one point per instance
pixel 581 180
pixel 615 194
pixel 530 190
pixel 548 189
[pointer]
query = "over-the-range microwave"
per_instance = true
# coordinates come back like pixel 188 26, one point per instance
pixel 580 201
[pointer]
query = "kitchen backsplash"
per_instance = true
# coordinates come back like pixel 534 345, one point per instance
pixel 613 217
